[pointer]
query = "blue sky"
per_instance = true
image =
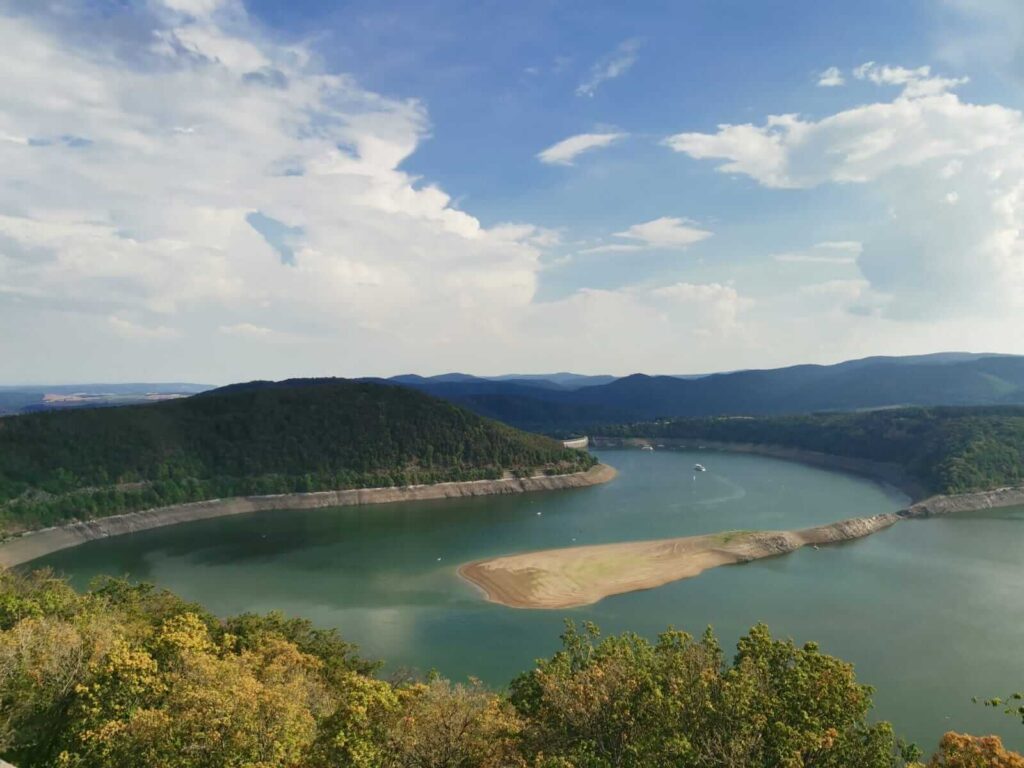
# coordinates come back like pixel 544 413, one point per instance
pixel 224 189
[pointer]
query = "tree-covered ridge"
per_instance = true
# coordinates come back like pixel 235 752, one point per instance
pixel 134 677
pixel 950 450
pixel 260 438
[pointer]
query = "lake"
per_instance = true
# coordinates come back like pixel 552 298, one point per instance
pixel 931 612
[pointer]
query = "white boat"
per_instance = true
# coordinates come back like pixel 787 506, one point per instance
pixel 646 447
pixel 699 468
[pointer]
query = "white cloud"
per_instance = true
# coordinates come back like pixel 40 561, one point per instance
pixel 666 232
pixel 827 252
pixel 717 306
pixel 838 289
pixel 130 330
pixel 916 82
pixel 850 246
pixel 170 139
pixel 932 256
pixel 196 7
pixel 923 123
pixel 984 34
pixel 259 333
pixel 830 78
pixel 614 248
pixel 565 151
pixel 614 65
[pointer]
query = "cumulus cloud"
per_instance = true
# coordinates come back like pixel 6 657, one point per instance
pixel 614 65
pixel 199 191
pixel 234 211
pixel 717 306
pixel 567 150
pixel 949 173
pixel 831 78
pixel 666 233
pixel 916 82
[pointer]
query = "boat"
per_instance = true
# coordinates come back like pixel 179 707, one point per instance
pixel 646 447
pixel 699 468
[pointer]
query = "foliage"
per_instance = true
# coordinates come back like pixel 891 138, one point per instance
pixel 1012 705
pixel 455 726
pixel 303 435
pixel 950 450
pixel 625 702
pixel 958 750
pixel 132 676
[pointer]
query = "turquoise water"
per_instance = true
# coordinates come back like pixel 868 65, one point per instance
pixel 931 611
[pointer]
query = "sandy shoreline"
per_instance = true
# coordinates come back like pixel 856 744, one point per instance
pixel 574 576
pixel 31 545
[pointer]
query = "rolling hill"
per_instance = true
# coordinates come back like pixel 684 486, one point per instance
pixel 256 438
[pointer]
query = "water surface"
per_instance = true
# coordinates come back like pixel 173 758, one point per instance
pixel 930 611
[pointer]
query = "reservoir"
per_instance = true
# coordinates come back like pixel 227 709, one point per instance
pixel 931 612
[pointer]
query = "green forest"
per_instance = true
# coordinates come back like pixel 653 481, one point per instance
pixel 949 450
pixel 132 676
pixel 259 438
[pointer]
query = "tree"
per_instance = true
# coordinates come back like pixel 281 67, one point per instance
pixel 454 726
pixel 957 750
pixel 624 702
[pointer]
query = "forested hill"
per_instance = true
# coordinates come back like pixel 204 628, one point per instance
pixel 257 438
pixel 948 450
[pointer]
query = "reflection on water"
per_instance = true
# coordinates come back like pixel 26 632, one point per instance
pixel 931 611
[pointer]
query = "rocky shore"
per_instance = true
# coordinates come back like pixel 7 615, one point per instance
pixel 29 546
pixel 966 502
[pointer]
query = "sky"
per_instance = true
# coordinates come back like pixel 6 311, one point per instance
pixel 224 190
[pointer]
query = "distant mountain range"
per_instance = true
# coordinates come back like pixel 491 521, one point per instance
pixel 564 402
pixel 563 380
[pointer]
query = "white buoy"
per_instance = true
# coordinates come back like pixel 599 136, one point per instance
pixel 439 559
pixel 538 514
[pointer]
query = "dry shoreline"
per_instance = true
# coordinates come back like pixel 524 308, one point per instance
pixel 31 545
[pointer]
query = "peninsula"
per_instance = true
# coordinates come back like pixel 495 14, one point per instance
pixel 947 459
pixel 574 576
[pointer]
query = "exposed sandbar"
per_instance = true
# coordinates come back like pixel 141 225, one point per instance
pixel 28 546
pixel 574 576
